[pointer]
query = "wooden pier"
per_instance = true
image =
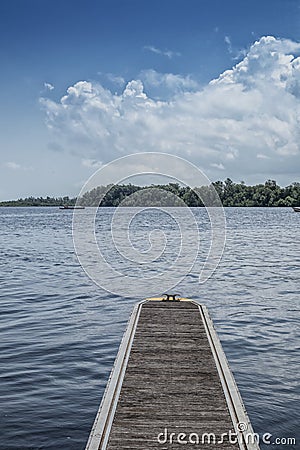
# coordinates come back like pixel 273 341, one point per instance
pixel 171 386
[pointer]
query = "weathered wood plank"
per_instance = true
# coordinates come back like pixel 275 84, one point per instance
pixel 174 381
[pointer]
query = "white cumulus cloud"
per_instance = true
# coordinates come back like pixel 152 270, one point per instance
pixel 166 85
pixel 249 111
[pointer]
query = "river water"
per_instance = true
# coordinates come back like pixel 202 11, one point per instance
pixel 60 332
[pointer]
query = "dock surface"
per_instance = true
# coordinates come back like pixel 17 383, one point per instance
pixel 171 386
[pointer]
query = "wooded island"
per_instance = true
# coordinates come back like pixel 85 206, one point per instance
pixel 230 193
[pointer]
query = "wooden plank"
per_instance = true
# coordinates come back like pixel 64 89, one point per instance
pixel 171 376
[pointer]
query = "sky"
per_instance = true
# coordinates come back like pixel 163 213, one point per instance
pixel 215 82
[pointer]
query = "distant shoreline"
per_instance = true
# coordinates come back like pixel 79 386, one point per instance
pixel 225 193
pixel 148 206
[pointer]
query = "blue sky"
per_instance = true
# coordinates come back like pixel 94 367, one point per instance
pixel 169 52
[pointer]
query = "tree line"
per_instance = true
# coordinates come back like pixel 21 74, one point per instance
pixel 40 201
pixel 173 194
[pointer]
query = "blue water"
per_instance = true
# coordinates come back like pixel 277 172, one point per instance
pixel 60 332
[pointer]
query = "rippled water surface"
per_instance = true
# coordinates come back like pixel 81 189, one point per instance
pixel 60 332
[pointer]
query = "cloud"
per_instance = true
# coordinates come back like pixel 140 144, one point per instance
pixel 15 166
pixel 227 41
pixel 12 165
pixel 218 166
pixel 48 86
pixel 262 156
pixel 118 80
pixel 92 163
pixel 235 53
pixel 252 109
pixel 166 85
pixel 114 79
pixel 168 53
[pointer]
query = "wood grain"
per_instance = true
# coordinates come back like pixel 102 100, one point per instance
pixel 171 382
